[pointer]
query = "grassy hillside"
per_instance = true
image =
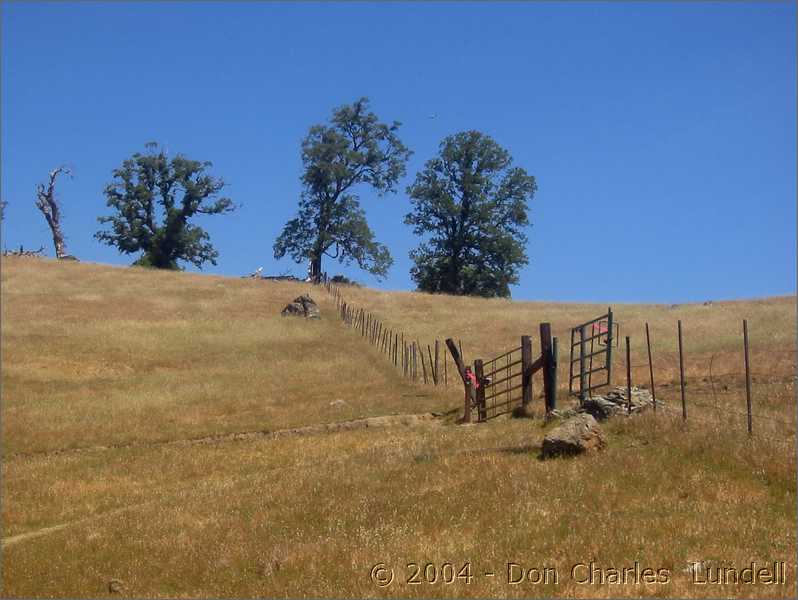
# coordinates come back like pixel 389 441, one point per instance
pixel 94 355
pixel 128 359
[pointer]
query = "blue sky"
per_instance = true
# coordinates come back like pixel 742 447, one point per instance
pixel 662 135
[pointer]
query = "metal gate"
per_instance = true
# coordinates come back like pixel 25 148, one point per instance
pixel 504 383
pixel 591 368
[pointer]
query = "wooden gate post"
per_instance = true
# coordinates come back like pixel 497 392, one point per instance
pixel 469 391
pixel 479 372
pixel 583 385
pixel 548 366
pixel 555 359
pixel 609 345
pixel 526 371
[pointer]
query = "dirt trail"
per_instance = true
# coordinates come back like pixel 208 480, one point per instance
pixel 22 537
pixel 406 420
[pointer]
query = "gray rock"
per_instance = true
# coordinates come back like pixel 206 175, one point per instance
pixel 600 409
pixel 561 414
pixel 575 436
pixel 641 399
pixel 303 306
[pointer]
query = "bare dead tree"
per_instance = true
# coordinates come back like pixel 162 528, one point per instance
pixel 48 204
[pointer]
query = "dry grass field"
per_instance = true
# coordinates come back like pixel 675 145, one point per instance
pixel 107 371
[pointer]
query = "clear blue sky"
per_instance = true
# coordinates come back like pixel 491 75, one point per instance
pixel 662 135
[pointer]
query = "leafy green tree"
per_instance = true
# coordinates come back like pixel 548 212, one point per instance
pixel 155 197
pixel 354 148
pixel 472 205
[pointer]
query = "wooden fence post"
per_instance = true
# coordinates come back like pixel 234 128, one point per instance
pixel 526 370
pixel 681 372
pixel 437 351
pixel 583 391
pixel 423 366
pixel 628 377
pixel 481 406
pixel 546 355
pixel 747 377
pixel 469 392
pixel 609 345
pixel 651 370
pixel 431 367
pixel 555 360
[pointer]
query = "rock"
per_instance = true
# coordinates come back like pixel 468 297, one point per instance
pixel 338 403
pixel 600 409
pixel 295 309
pixel 561 414
pixel 640 399
pixel 575 436
pixel 303 306
pixel 116 586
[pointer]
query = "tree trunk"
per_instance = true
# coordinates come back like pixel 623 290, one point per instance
pixel 47 203
pixel 58 242
pixel 315 268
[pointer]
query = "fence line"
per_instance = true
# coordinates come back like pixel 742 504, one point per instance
pixel 402 352
pixel 749 414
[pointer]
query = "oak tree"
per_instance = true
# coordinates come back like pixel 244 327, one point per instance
pixel 354 149
pixel 154 198
pixel 470 205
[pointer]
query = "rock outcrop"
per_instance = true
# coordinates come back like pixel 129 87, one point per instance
pixel 303 306
pixel 576 435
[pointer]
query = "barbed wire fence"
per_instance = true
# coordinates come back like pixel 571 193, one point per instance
pixel 429 364
pixel 740 401
pixel 426 364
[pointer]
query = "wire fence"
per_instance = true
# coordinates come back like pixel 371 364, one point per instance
pixel 420 363
pixel 737 398
pixel 766 404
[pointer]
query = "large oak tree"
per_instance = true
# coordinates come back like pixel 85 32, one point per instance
pixel 354 149
pixel 154 198
pixel 470 205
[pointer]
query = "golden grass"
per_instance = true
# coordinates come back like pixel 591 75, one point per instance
pixel 712 338
pixel 311 518
pixel 94 355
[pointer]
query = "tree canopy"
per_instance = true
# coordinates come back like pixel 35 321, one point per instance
pixel 471 205
pixel 355 148
pixel 154 197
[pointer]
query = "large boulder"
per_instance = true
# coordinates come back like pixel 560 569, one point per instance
pixel 578 434
pixel 303 306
